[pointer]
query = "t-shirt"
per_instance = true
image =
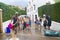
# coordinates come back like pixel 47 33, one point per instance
pixel 10 25
pixel 24 19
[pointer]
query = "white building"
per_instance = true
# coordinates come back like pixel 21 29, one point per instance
pixel 32 9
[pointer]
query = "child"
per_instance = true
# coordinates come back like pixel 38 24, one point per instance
pixel 29 22
pixel 8 32
pixel 45 24
pixel 8 29
pixel 10 25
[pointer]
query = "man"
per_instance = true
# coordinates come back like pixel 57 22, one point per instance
pixel 15 22
pixel 24 24
pixel 49 21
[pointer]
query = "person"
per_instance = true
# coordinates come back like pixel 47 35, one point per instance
pixel 49 21
pixel 45 23
pixel 36 20
pixel 8 31
pixel 15 22
pixel 37 24
pixel 40 23
pixel 29 22
pixel 24 23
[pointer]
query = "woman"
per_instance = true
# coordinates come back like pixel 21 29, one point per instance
pixel 45 24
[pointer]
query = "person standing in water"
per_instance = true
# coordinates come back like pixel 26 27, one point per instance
pixel 44 21
pixel 15 22
pixel 40 23
pixel 49 21
pixel 24 23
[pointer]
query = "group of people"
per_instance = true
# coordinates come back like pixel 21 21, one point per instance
pixel 46 21
pixel 38 23
pixel 20 23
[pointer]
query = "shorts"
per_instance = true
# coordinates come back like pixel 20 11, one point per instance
pixel 44 25
pixel 27 24
pixel 49 24
pixel 17 24
pixel 24 25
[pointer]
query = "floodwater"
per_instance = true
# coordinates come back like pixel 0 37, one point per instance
pixel 34 34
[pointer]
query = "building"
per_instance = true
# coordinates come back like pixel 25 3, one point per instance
pixel 32 9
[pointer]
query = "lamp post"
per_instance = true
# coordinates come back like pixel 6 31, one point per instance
pixel 0 20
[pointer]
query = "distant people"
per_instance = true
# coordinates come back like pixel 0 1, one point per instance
pixel 37 24
pixel 49 21
pixel 29 22
pixel 24 23
pixel 15 22
pixel 40 20
pixel 40 23
pixel 36 20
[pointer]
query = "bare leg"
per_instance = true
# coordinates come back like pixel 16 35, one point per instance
pixel 40 28
pixel 48 27
pixel 44 27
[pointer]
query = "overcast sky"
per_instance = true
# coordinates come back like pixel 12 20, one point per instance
pixel 23 3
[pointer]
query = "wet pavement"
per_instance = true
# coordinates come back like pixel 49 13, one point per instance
pixel 35 34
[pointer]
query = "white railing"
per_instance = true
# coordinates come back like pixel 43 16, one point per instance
pixel 55 25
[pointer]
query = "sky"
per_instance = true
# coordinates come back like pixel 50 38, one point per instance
pixel 23 3
pixel 43 2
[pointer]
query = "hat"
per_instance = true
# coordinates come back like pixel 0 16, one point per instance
pixel 44 15
pixel 16 13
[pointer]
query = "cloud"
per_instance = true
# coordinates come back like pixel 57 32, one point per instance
pixel 43 2
pixel 24 3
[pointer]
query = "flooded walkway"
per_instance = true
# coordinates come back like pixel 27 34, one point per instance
pixel 35 34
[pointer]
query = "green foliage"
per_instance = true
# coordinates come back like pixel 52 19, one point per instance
pixel 9 11
pixel 52 10
pixel 57 1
